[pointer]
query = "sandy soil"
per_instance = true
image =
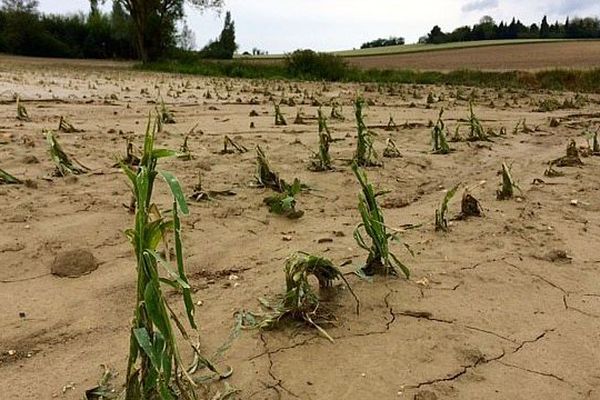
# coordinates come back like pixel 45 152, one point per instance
pixel 579 55
pixel 489 312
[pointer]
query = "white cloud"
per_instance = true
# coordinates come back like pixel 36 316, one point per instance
pixel 479 5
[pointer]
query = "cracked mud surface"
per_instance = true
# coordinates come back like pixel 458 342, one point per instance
pixel 487 314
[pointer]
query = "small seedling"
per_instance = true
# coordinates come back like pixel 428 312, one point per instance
pixel 322 160
pixel 230 146
pixel 441 214
pixel 439 143
pixel 365 155
pixel 300 302
pixel 22 114
pixel 571 159
pixel 285 203
pixel 66 127
pixel 8 179
pixel 380 259
pixel 391 150
pixel 476 131
pixel 65 165
pixel 279 118
pixel 507 186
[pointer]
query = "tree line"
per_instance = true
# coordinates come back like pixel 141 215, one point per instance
pixel 488 29
pixel 391 41
pixel 132 29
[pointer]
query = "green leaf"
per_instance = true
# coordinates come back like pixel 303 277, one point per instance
pixel 167 267
pixel 143 339
pixel 164 153
pixel 176 190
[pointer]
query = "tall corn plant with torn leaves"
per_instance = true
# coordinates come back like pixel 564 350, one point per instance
pixel 155 369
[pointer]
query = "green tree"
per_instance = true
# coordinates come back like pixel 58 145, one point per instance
pixel 154 23
pixel 544 28
pixel 225 46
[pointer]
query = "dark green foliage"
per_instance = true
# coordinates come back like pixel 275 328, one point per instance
pixel 391 41
pixel 225 46
pixel 380 260
pixel 307 64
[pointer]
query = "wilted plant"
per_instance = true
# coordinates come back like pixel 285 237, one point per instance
pixel 322 160
pixel 469 206
pixel 8 179
pixel 595 144
pixel 22 114
pixel 476 131
pixel 365 155
pixel 265 176
pixel 299 120
pixel 438 137
pixel 336 112
pixel 508 185
pixel 165 116
pixel 571 159
pixel 130 158
pixel 200 194
pixel 279 118
pixel 65 165
pixel 285 203
pixel 441 214
pixel 391 150
pixel 380 259
pixel 155 369
pixel 300 302
pixel 184 151
pixel 66 127
pixel 230 146
pixel 391 125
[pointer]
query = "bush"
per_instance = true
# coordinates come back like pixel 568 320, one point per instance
pixel 308 64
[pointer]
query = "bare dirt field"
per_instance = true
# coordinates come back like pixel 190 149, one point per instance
pixel 506 306
pixel 577 55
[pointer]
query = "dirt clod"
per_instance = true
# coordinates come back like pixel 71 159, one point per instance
pixel 74 263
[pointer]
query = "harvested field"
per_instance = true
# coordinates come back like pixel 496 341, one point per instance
pixel 503 306
pixel 576 55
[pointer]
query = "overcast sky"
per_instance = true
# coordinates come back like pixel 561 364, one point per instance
pixel 285 25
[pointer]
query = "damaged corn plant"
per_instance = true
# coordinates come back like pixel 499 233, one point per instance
pixel 64 164
pixel 380 260
pixel 265 176
pixel 279 118
pixel 507 185
pixel 476 131
pixel 301 302
pixel 231 147
pixel 66 127
pixel 439 142
pixel 441 214
pixel 285 203
pixel 365 155
pixel 22 114
pixel 155 369
pixel 8 179
pixel 322 160
pixel 165 116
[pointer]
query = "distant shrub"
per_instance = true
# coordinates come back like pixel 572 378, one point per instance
pixel 309 64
